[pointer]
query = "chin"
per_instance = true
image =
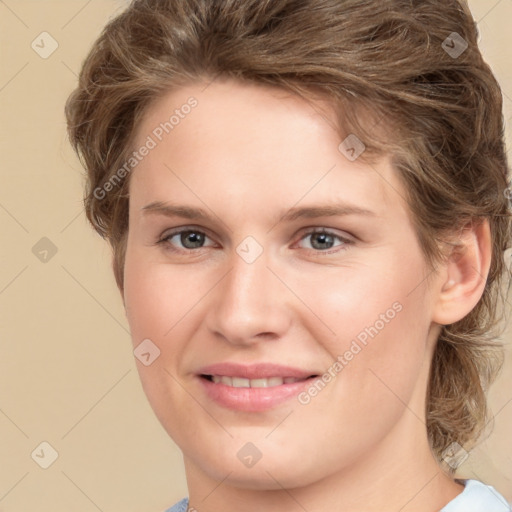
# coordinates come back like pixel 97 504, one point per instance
pixel 280 470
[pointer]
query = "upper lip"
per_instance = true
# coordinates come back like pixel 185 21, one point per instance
pixel 255 371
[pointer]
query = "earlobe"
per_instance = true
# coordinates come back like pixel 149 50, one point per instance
pixel 464 274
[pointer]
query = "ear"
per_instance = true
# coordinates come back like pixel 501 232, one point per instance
pixel 464 274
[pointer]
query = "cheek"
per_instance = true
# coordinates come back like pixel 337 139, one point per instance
pixel 381 318
pixel 156 307
pixel 381 298
pixel 154 298
pixel 380 344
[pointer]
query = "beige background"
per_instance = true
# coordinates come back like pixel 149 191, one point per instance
pixel 68 375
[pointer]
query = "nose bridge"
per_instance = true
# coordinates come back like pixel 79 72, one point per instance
pixel 247 286
pixel 248 302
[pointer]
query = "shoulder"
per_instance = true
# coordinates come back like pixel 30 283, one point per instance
pixel 181 506
pixel 477 497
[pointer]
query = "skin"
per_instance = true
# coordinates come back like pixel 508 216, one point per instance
pixel 246 155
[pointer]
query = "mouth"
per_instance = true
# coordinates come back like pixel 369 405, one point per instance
pixel 242 382
pixel 253 388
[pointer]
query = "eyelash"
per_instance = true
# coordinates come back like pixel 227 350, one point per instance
pixel 165 240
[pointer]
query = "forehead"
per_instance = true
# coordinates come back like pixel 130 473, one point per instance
pixel 246 141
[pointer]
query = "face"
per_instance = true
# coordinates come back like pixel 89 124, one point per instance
pixel 282 284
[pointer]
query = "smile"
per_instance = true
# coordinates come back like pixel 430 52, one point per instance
pixel 241 382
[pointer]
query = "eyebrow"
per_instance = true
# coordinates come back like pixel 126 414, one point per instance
pixel 308 212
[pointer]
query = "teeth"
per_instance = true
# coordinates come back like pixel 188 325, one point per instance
pixel 240 382
pixel 275 381
pixel 259 383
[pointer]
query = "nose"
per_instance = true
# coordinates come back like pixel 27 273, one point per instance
pixel 250 303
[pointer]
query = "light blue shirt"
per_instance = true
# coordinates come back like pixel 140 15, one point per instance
pixel 476 497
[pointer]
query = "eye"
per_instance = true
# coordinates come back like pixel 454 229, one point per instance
pixel 186 239
pixel 322 240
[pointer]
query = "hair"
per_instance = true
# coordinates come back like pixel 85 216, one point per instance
pixel 385 67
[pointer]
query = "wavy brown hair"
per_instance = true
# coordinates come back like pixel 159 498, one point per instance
pixel 386 69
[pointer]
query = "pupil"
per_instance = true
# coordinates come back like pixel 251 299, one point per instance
pixel 191 239
pixel 322 238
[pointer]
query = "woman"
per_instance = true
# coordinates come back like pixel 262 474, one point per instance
pixel 307 205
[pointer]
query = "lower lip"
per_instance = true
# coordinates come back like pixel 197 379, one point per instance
pixel 253 399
